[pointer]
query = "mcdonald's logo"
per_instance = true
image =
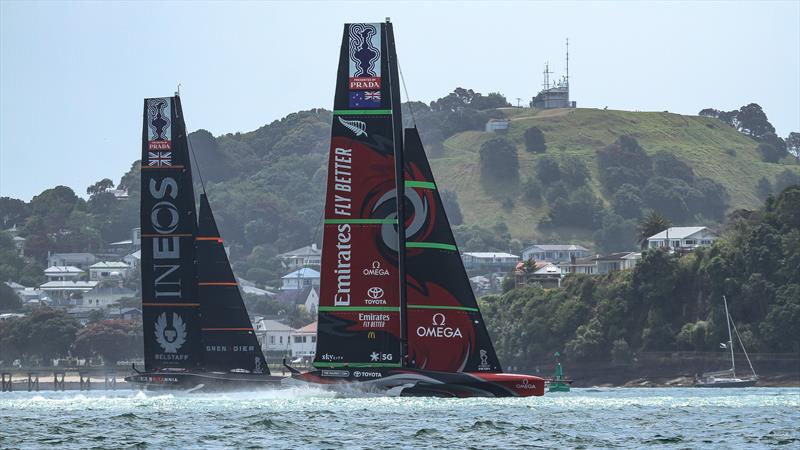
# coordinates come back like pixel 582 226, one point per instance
pixel 371 335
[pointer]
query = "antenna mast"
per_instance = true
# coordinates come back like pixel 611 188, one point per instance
pixel 567 77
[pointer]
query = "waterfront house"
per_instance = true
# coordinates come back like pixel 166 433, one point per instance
pixel 300 279
pixel 304 342
pixel 489 260
pixel 682 238
pixel 109 270
pixel 273 336
pixel 310 255
pixel 79 260
pixel 554 253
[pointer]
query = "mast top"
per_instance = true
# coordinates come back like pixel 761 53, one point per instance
pixel 388 20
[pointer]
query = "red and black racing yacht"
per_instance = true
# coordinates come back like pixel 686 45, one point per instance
pixel 397 313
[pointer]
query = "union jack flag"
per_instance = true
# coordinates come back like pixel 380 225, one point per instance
pixel 159 158
pixel 372 95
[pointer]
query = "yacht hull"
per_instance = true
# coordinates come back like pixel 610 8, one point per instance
pixel 423 383
pixel 204 381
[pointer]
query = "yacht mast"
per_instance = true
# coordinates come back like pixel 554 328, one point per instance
pixel 730 338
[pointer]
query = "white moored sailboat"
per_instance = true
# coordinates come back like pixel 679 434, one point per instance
pixel 728 378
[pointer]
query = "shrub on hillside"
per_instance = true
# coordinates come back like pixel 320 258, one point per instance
pixel 498 159
pixel 534 140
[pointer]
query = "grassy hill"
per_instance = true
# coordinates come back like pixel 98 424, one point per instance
pixel 711 148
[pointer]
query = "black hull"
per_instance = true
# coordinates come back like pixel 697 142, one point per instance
pixel 203 381
pixel 422 383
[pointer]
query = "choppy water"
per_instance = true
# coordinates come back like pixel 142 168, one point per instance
pixel 305 418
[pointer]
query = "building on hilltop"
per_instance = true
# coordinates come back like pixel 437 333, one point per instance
pixel 554 253
pixel 601 264
pixel 555 95
pixel 310 255
pixel 682 238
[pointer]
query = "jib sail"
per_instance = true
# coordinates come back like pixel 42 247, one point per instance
pixel 170 306
pixel 359 313
pixel 229 342
pixel 446 331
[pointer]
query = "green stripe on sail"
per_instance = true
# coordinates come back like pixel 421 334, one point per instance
pixel 420 184
pixel 460 308
pixel 436 245
pixel 354 365
pixel 362 112
pixel 360 308
pixel 360 221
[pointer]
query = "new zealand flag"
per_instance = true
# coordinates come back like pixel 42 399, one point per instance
pixel 365 99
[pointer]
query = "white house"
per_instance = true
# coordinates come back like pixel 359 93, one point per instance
pixel 61 291
pixel 133 259
pixel 601 265
pixel 310 255
pixel 304 342
pixel 299 279
pixel 495 125
pixel 109 270
pixel 79 260
pixel 63 273
pixel 554 253
pixel 479 260
pixel 682 238
pixel 273 335
pixel 102 297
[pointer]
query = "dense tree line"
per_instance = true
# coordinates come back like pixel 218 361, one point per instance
pixel 45 334
pixel 751 120
pixel 668 302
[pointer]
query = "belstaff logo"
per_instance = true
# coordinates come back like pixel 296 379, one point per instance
pixel 439 328
pixel 170 337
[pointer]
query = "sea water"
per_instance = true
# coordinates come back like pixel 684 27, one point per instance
pixel 313 418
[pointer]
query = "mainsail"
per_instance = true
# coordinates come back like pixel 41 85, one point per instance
pixel 359 313
pixel 170 306
pixel 229 342
pixel 446 329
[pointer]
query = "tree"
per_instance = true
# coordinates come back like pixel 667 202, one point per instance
pixel 573 171
pixel 627 201
pixel 752 121
pixel 653 223
pixel 622 162
pixel 668 165
pixel 498 159
pixel 793 144
pixel 769 153
pixel 45 333
pixel 451 207
pixel 100 187
pixel 113 340
pixel 9 300
pixel 534 140
pixel 547 170
pixel 763 188
pixel 785 179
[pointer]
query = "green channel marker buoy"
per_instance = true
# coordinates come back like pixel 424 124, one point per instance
pixel 559 383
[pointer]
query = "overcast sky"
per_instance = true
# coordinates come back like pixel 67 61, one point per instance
pixel 73 74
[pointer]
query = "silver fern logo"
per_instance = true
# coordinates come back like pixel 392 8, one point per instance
pixel 356 126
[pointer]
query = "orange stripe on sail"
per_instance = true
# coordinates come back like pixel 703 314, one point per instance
pixel 219 283
pixel 209 238
pixel 169 305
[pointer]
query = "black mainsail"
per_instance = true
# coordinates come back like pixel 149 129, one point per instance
pixel 170 306
pixel 229 341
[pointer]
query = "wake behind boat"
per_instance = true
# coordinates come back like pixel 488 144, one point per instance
pixel 197 334
pixel 397 313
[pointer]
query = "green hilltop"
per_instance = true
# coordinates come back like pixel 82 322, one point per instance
pixel 711 148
